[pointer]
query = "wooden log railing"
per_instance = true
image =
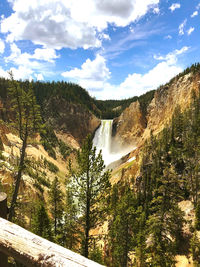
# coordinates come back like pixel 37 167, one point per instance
pixel 32 250
pixel 3 214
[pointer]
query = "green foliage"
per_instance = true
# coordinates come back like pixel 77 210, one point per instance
pixel 169 173
pixel 90 185
pixel 96 254
pixel 27 112
pixel 1 145
pixel 73 93
pixel 40 224
pixel 159 244
pixel 71 229
pixel 27 122
pixel 52 167
pixel 48 147
pixel 1 156
pixel 113 108
pixel 197 216
pixel 195 249
pixel 64 149
pixel 49 141
pixel 56 206
pixel 122 224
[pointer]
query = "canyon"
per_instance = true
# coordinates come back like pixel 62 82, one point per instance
pixel 121 139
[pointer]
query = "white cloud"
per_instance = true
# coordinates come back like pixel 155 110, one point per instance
pixel 94 76
pixel 156 10
pixel 3 73
pixel 30 64
pixel 103 36
pixel 19 73
pixel 47 54
pixel 191 29
pixel 138 84
pixel 171 58
pixel 71 23
pixel 39 77
pixel 22 73
pixel 2 46
pixel 40 54
pixel 174 6
pixel 195 13
pixel 181 27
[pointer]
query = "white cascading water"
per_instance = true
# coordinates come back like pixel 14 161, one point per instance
pixel 102 140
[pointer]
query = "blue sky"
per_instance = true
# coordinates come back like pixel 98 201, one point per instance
pixel 113 48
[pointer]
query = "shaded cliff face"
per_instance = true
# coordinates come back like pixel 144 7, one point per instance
pixel 130 125
pixel 165 100
pixel 134 128
pixel 70 119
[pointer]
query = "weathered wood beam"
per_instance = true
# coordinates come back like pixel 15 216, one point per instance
pixel 3 214
pixel 32 250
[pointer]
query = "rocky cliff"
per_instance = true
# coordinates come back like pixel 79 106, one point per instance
pixel 133 127
pixel 130 125
pixel 69 119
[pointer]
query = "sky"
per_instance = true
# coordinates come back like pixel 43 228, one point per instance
pixel 115 49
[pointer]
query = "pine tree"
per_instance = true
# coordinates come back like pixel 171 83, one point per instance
pixel 91 185
pixel 70 231
pixel 197 217
pixel 195 248
pixel 40 224
pixel 27 122
pixel 56 206
pixel 122 224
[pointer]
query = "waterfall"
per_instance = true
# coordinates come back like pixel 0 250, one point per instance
pixel 103 141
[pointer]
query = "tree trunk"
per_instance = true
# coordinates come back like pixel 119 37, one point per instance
pixel 87 219
pixel 19 175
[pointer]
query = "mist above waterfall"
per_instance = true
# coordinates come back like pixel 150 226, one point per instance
pixel 111 151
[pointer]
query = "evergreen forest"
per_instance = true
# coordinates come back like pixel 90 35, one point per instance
pixel 145 222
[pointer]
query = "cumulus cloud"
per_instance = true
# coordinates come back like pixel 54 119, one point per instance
pixel 72 23
pixel 2 46
pixel 191 29
pixel 22 72
pixel 174 6
pixel 138 84
pixel 40 54
pixel 47 54
pixel 94 76
pixel 182 27
pixel 194 14
pixel 30 64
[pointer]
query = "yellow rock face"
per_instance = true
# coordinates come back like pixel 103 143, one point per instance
pixel 133 128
